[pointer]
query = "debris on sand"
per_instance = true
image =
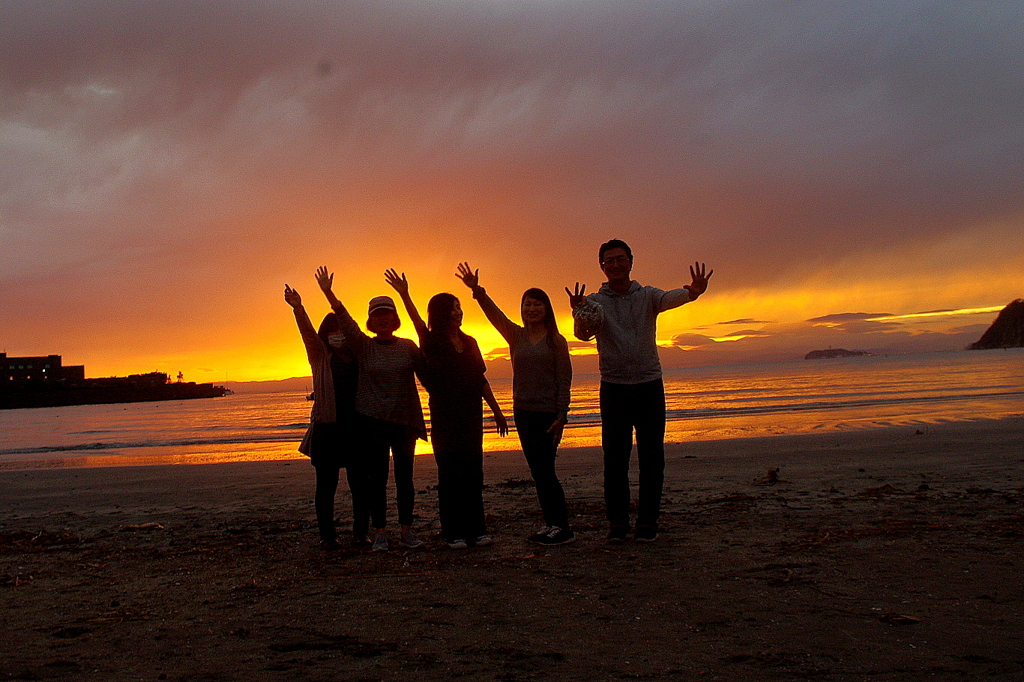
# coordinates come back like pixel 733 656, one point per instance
pixel 771 477
pixel 141 527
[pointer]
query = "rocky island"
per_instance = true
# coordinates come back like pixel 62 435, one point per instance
pixel 1007 331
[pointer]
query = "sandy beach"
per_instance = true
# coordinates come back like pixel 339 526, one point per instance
pixel 888 554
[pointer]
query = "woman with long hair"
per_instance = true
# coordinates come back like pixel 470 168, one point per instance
pixel 329 438
pixel 453 374
pixel 541 383
pixel 388 407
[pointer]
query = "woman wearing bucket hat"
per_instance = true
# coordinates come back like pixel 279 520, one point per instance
pixel 388 406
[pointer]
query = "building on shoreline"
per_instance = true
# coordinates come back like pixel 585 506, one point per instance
pixel 40 368
pixel 44 381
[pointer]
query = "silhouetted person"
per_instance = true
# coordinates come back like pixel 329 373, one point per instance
pixel 388 406
pixel 329 441
pixel 453 374
pixel 623 315
pixel 541 385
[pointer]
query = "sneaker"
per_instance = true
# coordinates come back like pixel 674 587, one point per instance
pixel 482 541
pixel 409 540
pixel 380 543
pixel 330 545
pixel 558 536
pixel 646 534
pixel 539 537
pixel 618 535
pixel 458 544
pixel 360 541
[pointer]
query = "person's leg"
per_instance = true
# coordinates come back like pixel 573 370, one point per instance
pixel 378 464
pixel 650 451
pixel 323 501
pixel 447 489
pixel 540 451
pixel 358 483
pixel 617 442
pixel 403 452
pixel 473 486
pixel 352 437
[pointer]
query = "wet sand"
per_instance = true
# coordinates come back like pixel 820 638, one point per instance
pixel 885 555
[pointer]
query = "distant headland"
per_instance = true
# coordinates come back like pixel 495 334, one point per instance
pixel 834 353
pixel 44 381
pixel 1007 331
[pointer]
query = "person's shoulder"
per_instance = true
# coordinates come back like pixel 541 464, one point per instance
pixel 645 290
pixel 408 344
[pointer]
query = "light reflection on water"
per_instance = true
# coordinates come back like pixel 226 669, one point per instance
pixel 706 403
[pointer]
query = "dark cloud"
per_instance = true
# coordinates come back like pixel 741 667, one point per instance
pixel 838 318
pixel 856 323
pixel 749 333
pixel 744 321
pixel 686 340
pixel 971 329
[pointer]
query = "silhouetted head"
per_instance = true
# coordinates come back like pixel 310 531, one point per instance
pixel 536 307
pixel 616 261
pixel 329 326
pixel 383 316
pixel 444 313
pixel 614 244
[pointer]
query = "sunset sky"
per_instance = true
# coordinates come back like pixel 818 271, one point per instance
pixel 853 172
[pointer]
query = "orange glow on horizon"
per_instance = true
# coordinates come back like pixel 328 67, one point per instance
pixel 258 341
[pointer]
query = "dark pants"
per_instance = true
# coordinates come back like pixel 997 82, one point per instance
pixel 460 484
pixel 540 454
pixel 381 438
pixel 625 407
pixel 323 500
pixel 358 482
pixel 327 454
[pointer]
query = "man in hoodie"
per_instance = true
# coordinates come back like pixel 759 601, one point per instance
pixel 623 316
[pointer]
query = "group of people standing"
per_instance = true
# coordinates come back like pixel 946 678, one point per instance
pixel 367 412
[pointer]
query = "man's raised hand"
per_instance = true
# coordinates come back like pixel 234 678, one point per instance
pixel 699 283
pixel 577 295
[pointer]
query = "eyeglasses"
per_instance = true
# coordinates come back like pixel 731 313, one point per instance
pixel 615 260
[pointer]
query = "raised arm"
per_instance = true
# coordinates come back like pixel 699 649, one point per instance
pixel 499 418
pixel 699 276
pixel 699 280
pixel 506 327
pixel 349 327
pixel 401 285
pixel 314 346
pixel 325 280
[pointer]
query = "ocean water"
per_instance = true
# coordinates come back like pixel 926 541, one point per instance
pixel 706 403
